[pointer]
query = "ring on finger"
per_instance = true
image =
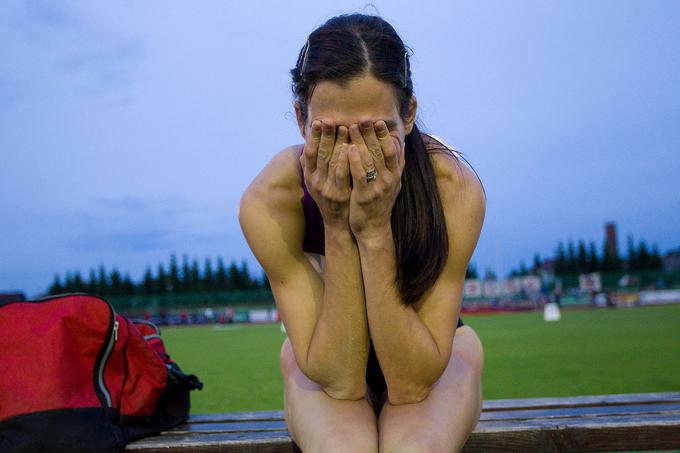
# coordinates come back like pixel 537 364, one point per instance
pixel 371 175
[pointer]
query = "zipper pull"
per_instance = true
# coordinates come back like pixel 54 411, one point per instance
pixel 115 331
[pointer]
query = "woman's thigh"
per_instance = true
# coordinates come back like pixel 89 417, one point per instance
pixel 443 421
pixel 319 423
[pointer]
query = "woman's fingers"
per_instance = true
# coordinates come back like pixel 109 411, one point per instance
pixel 356 167
pixel 336 167
pixel 325 147
pixel 402 159
pixel 342 138
pixel 343 135
pixel 342 168
pixel 373 144
pixel 312 147
pixel 358 140
pixel 389 149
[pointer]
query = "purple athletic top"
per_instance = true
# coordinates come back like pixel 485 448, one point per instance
pixel 314 230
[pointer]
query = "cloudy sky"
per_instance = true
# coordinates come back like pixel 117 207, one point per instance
pixel 129 130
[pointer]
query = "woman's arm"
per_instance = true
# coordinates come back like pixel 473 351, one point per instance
pixel 326 322
pixel 413 343
pixel 338 349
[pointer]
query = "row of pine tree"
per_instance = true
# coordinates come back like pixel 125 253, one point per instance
pixel 167 279
pixel 579 259
pixel 190 278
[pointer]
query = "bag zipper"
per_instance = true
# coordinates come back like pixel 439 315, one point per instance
pixel 100 386
pixel 148 323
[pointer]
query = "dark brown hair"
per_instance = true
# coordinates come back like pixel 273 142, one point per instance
pixel 349 46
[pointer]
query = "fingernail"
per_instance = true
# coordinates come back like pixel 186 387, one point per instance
pixel 366 124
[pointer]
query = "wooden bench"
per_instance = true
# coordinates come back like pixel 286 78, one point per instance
pixel 585 423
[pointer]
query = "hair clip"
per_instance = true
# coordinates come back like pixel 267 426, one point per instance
pixel 405 68
pixel 304 58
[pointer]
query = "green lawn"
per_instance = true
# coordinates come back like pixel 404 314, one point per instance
pixel 626 350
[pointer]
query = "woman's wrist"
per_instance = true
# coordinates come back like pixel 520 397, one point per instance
pixel 375 238
pixel 338 229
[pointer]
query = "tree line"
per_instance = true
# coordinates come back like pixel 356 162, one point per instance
pixel 581 259
pixel 170 278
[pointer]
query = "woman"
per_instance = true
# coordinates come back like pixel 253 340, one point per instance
pixel 365 233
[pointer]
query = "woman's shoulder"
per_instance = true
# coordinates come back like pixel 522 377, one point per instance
pixel 281 176
pixel 462 196
pixel 454 173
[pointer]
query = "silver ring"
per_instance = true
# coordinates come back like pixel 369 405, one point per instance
pixel 371 175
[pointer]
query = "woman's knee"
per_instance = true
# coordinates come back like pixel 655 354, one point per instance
pixel 287 359
pixel 413 442
pixel 468 356
pixel 467 348
pixel 348 441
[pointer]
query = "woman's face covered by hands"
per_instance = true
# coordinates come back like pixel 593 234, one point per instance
pixel 360 100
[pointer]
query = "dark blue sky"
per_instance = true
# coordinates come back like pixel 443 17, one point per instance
pixel 128 130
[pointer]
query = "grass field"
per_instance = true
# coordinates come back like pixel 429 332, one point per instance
pixel 588 352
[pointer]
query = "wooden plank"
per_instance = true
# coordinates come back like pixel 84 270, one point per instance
pixel 573 401
pixel 267 442
pixel 243 426
pixel 650 432
pixel 236 416
pixel 227 427
pixel 489 406
pixel 603 420
pixel 572 434
pixel 584 411
pixel 589 423
pixel 581 422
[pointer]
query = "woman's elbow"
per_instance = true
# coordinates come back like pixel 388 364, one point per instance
pixel 407 394
pixel 336 386
pixel 347 392
pixel 413 391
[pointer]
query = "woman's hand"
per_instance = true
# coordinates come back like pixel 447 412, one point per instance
pixel 373 148
pixel 325 167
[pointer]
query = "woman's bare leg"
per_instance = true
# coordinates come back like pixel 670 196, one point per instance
pixel 443 421
pixel 319 423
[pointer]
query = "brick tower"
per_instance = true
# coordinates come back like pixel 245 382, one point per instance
pixel 610 238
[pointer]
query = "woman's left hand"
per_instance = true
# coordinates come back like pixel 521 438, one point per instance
pixel 371 202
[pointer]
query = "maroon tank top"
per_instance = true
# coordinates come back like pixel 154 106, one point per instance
pixel 313 241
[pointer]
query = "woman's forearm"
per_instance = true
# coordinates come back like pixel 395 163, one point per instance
pixel 338 350
pixel 407 352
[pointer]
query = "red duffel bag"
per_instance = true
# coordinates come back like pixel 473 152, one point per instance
pixel 77 377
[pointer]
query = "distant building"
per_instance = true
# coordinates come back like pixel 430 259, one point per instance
pixel 11 297
pixel 671 261
pixel 610 239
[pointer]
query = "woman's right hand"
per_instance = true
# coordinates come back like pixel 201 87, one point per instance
pixel 325 167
